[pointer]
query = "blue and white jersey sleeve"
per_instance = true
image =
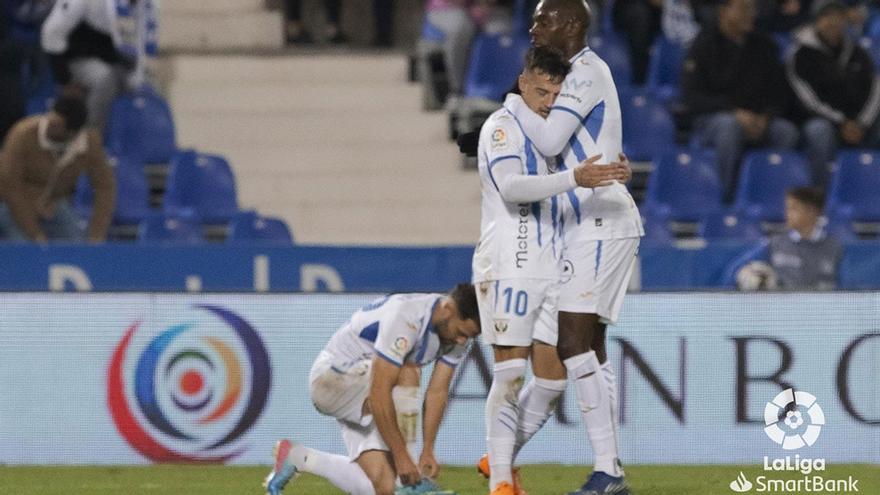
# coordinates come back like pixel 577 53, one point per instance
pixel 398 334
pixel 502 141
pixel 455 356
pixel 579 95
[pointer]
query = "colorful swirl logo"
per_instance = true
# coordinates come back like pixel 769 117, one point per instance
pixel 192 393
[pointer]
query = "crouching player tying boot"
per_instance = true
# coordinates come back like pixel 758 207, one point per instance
pixel 353 380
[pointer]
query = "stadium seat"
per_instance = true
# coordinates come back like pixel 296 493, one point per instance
pixel 647 126
pixel 248 226
pixel 141 125
pixel 132 193
pixel 183 227
pixel 496 61
pixel 39 89
pixel 855 183
pixel 764 178
pixel 685 181
pixel 656 224
pixel 664 69
pixel 613 50
pixel 719 225
pixel 204 183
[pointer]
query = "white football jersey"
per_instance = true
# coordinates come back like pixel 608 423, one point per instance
pixel 398 328
pixel 517 240
pixel 585 121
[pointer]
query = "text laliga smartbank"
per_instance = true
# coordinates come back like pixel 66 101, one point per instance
pixel 806 466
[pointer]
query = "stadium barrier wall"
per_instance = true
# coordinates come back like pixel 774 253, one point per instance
pixel 141 378
pixel 134 267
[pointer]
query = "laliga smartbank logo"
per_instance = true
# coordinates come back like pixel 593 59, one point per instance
pixel 794 420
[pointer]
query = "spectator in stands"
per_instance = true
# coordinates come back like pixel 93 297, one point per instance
pixel 639 22
pixel 803 258
pixel 836 84
pixel 296 32
pixel 734 90
pixel 99 47
pixel 460 20
pixel 42 159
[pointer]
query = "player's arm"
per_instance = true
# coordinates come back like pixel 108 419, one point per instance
pixel 436 398
pixel 516 187
pixel 385 375
pixel 550 135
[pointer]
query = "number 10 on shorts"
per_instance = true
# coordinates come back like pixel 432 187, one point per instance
pixel 517 301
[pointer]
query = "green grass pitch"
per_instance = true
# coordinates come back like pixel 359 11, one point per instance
pixel 229 480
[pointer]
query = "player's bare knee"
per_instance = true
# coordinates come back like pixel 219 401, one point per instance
pixel 384 484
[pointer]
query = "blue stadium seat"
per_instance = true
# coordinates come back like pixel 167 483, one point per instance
pixel 248 226
pixel 204 183
pixel 183 227
pixel 664 70
pixel 656 223
pixel 39 89
pixel 613 50
pixel 648 128
pixel 728 225
pixel 496 60
pixel 854 186
pixel 141 125
pixel 764 178
pixel 686 181
pixel 132 192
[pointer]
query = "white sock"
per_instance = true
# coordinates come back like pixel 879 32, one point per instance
pixel 408 405
pixel 337 469
pixel 595 404
pixel 502 418
pixel 611 382
pixel 536 403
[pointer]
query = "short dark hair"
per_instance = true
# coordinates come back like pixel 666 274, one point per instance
pixel 73 109
pixel 810 196
pixel 548 60
pixel 465 297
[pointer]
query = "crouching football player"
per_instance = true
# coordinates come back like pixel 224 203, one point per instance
pixel 353 380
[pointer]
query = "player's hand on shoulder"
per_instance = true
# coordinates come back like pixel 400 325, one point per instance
pixel 592 174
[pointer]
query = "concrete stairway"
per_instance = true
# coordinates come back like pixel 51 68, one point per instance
pixel 214 25
pixel 335 143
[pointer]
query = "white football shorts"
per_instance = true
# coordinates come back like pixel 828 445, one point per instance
pixel 595 276
pixel 514 312
pixel 339 388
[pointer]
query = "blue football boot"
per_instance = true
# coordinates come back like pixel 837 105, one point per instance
pixel 424 487
pixel 283 471
pixel 601 483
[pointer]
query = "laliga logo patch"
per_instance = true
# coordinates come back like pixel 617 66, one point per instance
pixel 786 414
pixel 400 346
pixel 193 391
pixel 499 138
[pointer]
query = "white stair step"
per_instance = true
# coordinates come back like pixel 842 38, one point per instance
pixel 212 6
pixel 261 29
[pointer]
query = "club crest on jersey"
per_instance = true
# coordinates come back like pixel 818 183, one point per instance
pixel 499 138
pixel 400 346
pixel 567 271
pixel 500 326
